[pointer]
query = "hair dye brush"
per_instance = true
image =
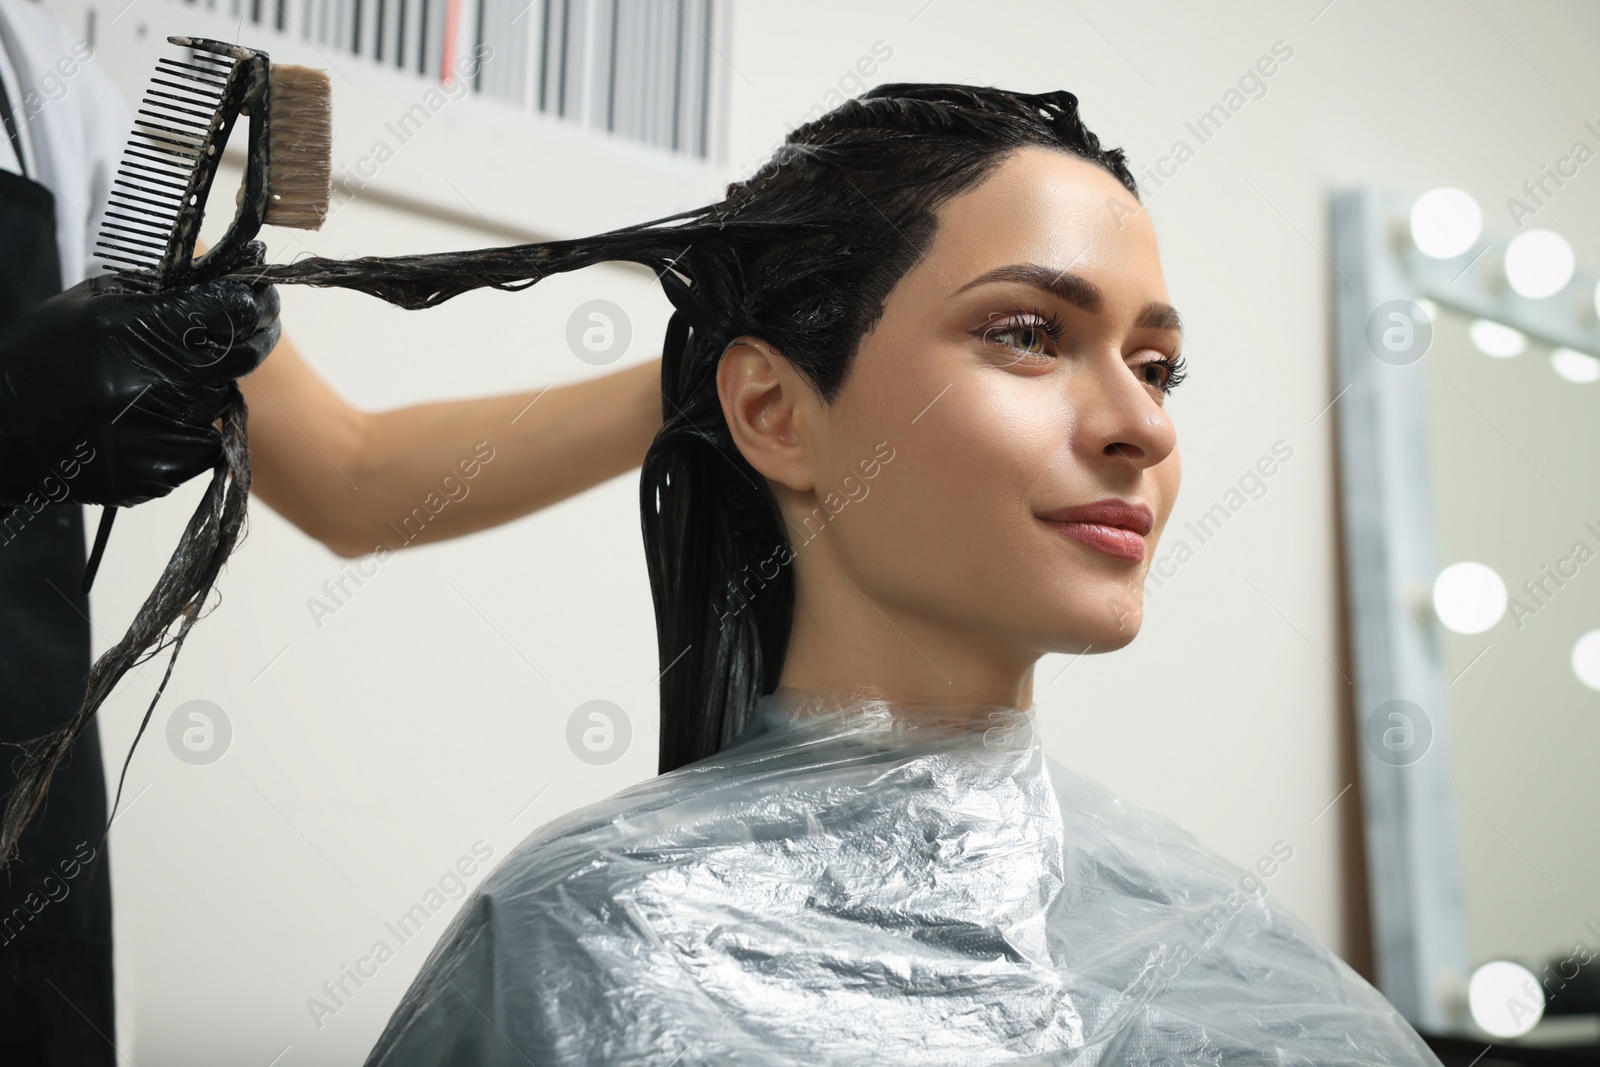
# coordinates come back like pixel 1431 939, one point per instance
pixel 159 196
pixel 157 204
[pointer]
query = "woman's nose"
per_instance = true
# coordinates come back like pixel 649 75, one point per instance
pixel 1120 417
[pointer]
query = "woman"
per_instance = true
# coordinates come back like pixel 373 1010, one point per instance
pixel 914 439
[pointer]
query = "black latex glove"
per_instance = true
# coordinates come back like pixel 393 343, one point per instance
pixel 108 395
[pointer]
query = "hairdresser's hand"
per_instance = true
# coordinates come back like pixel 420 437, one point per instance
pixel 109 395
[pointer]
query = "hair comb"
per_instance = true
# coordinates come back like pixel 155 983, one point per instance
pixel 159 195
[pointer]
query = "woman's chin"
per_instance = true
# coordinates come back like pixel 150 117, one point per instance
pixel 1105 629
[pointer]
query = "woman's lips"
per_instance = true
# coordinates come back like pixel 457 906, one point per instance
pixel 1114 541
pixel 1115 527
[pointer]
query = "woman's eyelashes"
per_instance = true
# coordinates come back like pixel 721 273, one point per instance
pixel 1165 373
pixel 1030 334
pixel 1034 338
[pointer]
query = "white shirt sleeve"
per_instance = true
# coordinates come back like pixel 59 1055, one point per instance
pixel 73 122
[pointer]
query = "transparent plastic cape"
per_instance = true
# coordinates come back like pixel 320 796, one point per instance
pixel 854 883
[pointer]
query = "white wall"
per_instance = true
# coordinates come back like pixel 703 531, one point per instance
pixel 370 753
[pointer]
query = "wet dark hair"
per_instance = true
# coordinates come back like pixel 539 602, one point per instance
pixel 802 254
pixel 847 206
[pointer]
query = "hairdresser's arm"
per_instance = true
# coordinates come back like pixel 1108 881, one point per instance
pixel 353 478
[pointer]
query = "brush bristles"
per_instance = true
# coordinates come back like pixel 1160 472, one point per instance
pixel 300 147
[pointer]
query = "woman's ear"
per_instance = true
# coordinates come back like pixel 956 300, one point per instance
pixel 771 411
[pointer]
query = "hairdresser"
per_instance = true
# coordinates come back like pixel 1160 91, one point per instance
pixel 101 402
pixel 108 397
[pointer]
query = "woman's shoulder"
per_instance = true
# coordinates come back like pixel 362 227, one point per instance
pixel 761 786
pixel 586 840
pixel 1108 840
pixel 555 945
pixel 1091 810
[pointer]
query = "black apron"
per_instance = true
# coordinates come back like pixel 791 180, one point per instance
pixel 55 901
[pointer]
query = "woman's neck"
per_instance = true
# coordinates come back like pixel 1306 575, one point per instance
pixel 875 650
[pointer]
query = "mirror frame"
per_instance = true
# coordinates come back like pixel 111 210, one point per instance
pixel 1414 869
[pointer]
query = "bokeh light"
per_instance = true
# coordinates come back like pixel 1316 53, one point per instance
pixel 1497 340
pixel 1586 659
pixel 1445 223
pixel 1469 597
pixel 1539 263
pixel 1505 999
pixel 1575 366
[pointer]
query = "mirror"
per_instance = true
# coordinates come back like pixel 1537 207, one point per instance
pixel 1469 424
pixel 1513 434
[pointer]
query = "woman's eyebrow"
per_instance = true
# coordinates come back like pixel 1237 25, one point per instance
pixel 1077 291
pixel 1158 316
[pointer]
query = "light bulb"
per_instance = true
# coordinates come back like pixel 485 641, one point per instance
pixel 1469 597
pixel 1586 659
pixel 1494 339
pixel 1505 999
pixel 1445 223
pixel 1575 366
pixel 1539 263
